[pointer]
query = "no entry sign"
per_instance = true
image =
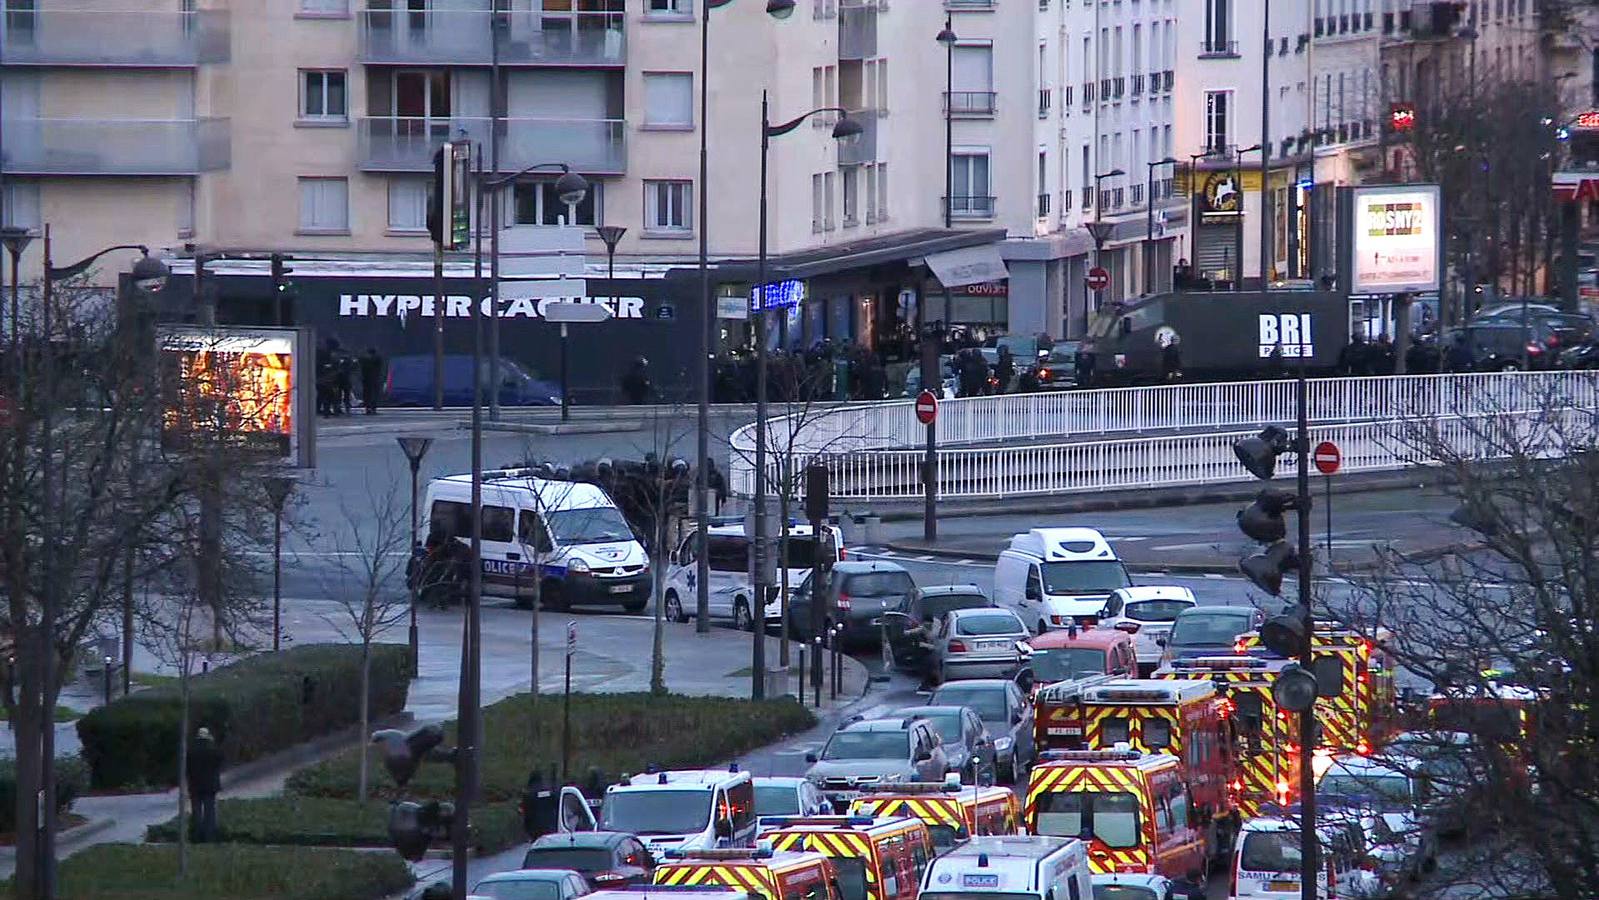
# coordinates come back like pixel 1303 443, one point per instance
pixel 1327 457
pixel 926 407
pixel 1098 279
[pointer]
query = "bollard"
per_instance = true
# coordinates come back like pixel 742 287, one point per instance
pixel 802 670
pixel 816 682
pixel 107 673
pixel 832 687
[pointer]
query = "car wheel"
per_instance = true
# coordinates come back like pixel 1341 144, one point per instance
pixel 742 620
pixel 674 608
pixel 553 597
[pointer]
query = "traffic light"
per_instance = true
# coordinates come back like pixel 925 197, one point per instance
pixel 1285 634
pixel 449 217
pixel 413 827
pixel 404 752
pixel 281 271
pixel 1265 570
pixel 1294 689
pixel 1263 520
pixel 1259 454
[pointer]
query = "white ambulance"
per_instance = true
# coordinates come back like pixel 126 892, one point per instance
pixel 1011 867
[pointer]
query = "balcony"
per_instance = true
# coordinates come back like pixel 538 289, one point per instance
pixel 1045 102
pixel 1138 85
pixel 862 148
pixel 970 206
pixel 463 37
pixel 115 146
pixel 76 37
pixel 1218 49
pixel 857 30
pixel 969 104
pixel 591 146
pixel 1043 206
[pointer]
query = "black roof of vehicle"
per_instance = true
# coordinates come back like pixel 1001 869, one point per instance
pixel 584 839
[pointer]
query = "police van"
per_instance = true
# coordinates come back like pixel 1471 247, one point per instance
pixel 1058 577
pixel 683 810
pixel 566 540
pixel 1012 868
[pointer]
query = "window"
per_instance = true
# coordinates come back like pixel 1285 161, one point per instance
pixel 827 201
pixel 325 7
pixel 817 208
pixel 19 204
pixel 531 531
pixel 1218 105
pixel 852 190
pixel 667 206
pixel 971 197
pixel 882 192
pixel 497 523
pixel 668 9
pixel 669 100
pixel 322 95
pixel 871 194
pixel 537 203
pixel 186 204
pixel 408 204
pixel 325 205
pixel 1218 25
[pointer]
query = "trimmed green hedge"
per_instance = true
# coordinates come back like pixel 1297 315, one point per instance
pixel 615 733
pixel 150 872
pixel 257 706
pixel 323 822
pixel 72 779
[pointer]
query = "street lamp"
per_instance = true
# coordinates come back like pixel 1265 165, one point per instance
pixel 414 447
pixel 277 488
pixel 1100 231
pixel 1237 272
pixel 946 36
pixel 845 127
pixel 777 9
pixel 1149 219
pixel 611 235
pixel 16 240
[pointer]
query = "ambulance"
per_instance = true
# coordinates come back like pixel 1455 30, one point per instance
pixel 1011 868
pixel 1133 807
pixel 876 858
pixel 951 812
pixel 688 809
pixel 1356 681
pixel 759 872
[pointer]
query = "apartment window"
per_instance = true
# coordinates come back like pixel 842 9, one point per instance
pixel 1218 106
pixel 852 199
pixel 971 198
pixel 828 179
pixel 1218 26
pixel 408 204
pixel 325 7
pixel 669 101
pixel 668 9
pixel 186 204
pixel 668 205
pixel 973 75
pixel 325 205
pixel 882 192
pixel 322 96
pixel 19 203
pixel 537 203
pixel 817 204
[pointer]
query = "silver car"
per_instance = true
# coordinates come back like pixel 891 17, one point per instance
pixel 976 643
pixel 866 753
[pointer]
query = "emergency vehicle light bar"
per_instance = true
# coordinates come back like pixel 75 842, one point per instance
pixel 1071 689
pixel 723 853
pixel 1224 663
pixel 1130 694
pixel 648 889
pixel 1088 755
pixel 841 821
pixel 913 787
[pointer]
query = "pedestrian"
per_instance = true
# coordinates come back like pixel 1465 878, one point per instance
pixel 1383 356
pixel 1274 363
pixel 1460 358
pixel 1171 360
pixel 344 373
pixel 1352 360
pixel 204 774
pixel 1005 371
pixel 324 378
pixel 636 383
pixel 371 380
pixel 1084 364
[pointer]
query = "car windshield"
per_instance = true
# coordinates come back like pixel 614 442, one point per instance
pixel 595 525
pixel 988 703
pixel 868 745
pixel 776 800
pixel 1123 892
pixel 947 724
pixel 678 811
pixel 582 859
pixel 1270 851
pixel 1111 816
pixel 1085 577
pixel 1156 610
pixel 851 876
pixel 988 624
pixel 939 604
pixel 1067 662
pixel 1063 355
pixel 1209 628
pixel 518 890
pixel 879 584
pixel 1387 792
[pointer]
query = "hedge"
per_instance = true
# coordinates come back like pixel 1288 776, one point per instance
pixel 614 733
pixel 257 706
pixel 324 822
pixel 150 872
pixel 71 781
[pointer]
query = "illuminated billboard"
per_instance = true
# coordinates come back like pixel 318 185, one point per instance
pixel 1391 239
pixel 249 389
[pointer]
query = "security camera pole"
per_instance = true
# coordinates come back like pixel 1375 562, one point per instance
pixel 1308 842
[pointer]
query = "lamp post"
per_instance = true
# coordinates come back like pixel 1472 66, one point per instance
pixel 1100 231
pixel 845 127
pixel 1149 219
pixel 931 379
pixel 277 488
pixel 1193 210
pixel 611 235
pixel 16 240
pixel 1237 272
pixel 946 36
pixel 414 447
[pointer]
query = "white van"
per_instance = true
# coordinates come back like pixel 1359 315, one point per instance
pixel 1055 577
pixel 696 809
pixel 1011 867
pixel 566 537
pixel 732 584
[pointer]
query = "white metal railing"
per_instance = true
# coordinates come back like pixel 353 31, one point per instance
pixel 873 450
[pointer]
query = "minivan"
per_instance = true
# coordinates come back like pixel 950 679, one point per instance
pixel 1055 577
pixel 684 810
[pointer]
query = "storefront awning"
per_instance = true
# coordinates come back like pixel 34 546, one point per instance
pixel 970 265
pixel 887 249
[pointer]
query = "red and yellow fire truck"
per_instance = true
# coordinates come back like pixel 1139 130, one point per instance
pixel 952 813
pixel 760 872
pixel 1132 807
pixel 1356 683
pixel 876 858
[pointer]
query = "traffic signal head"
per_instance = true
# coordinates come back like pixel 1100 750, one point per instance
pixel 1265 569
pixel 281 271
pixel 1285 634
pixel 403 752
pixel 406 831
pixel 1259 454
pixel 1263 520
pixel 1294 690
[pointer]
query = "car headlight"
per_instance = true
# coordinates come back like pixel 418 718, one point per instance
pixel 1003 744
pixel 577 565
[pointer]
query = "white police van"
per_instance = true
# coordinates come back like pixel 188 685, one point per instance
pixel 566 538
pixel 695 809
pixel 1012 868
pixel 1057 577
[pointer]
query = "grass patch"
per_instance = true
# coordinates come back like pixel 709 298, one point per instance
pixel 153 680
pixel 614 733
pixel 150 872
pixel 62 714
pixel 325 822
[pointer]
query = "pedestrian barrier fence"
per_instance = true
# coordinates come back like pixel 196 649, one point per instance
pixel 1165 436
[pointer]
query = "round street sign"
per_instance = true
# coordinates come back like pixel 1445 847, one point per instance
pixel 1327 457
pixel 926 407
pixel 1098 278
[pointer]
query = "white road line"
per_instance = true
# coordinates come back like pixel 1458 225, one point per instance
pixel 924 558
pixel 1213 576
pixel 963 562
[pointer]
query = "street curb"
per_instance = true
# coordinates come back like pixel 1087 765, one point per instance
pixel 614 427
pixel 87 830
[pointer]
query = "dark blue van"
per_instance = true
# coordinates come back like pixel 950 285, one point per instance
pixel 410 383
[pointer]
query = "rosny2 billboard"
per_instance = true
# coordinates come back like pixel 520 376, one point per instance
pixel 245 388
pixel 1392 239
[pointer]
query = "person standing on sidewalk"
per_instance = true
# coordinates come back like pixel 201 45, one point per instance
pixel 371 380
pixel 204 773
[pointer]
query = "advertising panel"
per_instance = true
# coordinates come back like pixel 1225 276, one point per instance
pixel 244 388
pixel 1394 236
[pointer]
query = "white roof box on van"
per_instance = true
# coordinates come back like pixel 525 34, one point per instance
pixel 1065 544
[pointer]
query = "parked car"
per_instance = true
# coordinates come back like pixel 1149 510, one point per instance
pixel 976 643
pixel 868 752
pixel 410 383
pixel 909 632
pixel 856 594
pixel 1388 799
pixel 967 746
pixel 1209 631
pixel 1147 613
pixel 526 884
pixel 1006 713
pixel 607 859
pixel 1496 345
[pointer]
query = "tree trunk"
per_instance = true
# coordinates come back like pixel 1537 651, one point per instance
pixel 657 570
pixel 183 763
pixel 366 712
pixel 26 726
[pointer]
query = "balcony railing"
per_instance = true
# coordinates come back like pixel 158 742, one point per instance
pixel 1043 206
pixel 1218 48
pixel 861 148
pixel 1138 84
pixel 594 146
pixel 464 37
pixel 971 206
pixel 78 37
pixel 857 29
pixel 1045 102
pixel 114 146
pixel 971 104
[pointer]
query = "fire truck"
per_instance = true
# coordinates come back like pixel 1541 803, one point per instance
pixel 1356 682
pixel 951 812
pixel 1265 738
pixel 1132 807
pixel 761 872
pixel 876 858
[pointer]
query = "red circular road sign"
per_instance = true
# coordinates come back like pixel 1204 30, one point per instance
pixel 926 407
pixel 1328 458
pixel 1098 279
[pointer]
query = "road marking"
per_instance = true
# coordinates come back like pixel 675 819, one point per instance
pixel 1214 576
pixel 924 558
pixel 886 553
pixel 964 562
